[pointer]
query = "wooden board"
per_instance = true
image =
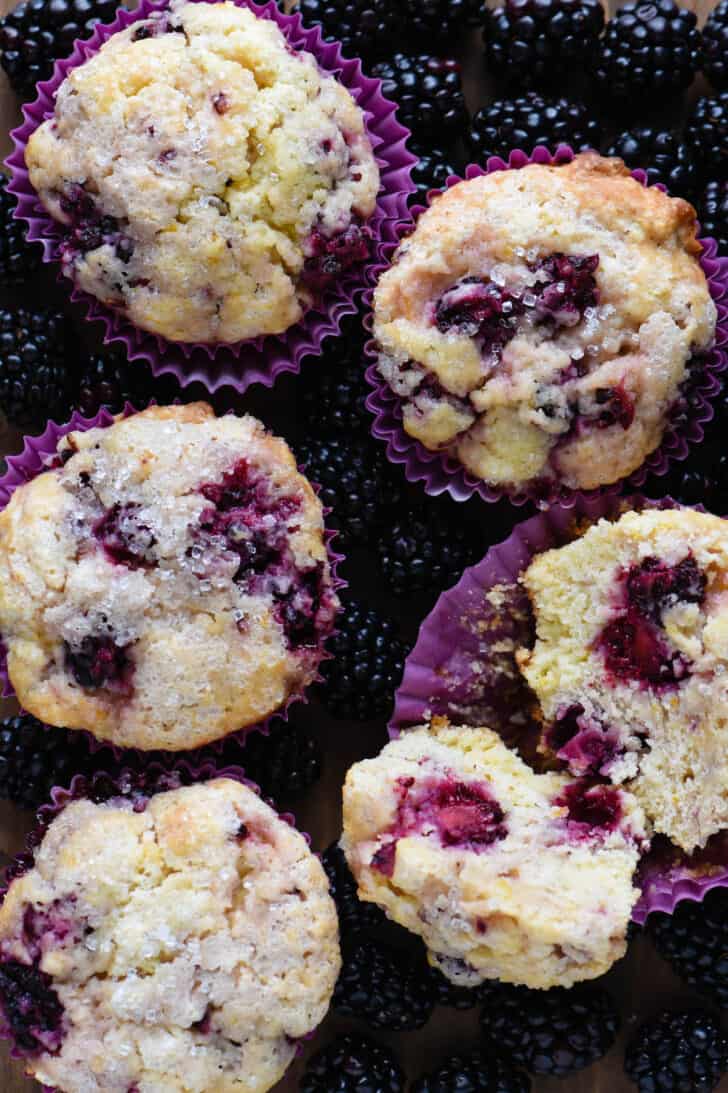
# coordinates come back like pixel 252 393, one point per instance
pixel 642 983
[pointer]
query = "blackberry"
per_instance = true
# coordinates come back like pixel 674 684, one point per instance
pixel 715 46
pixel 356 916
pixel 384 987
pixel 536 41
pixel 284 763
pixel 365 28
pixel 360 679
pixel 430 21
pixel 356 483
pixel 353 1064
pixel 109 379
pixel 426 550
pixel 713 212
pixel 19 259
pixel 451 994
pixel 662 155
pixel 428 92
pixel 34 758
pixel 683 1052
pixel 477 1073
pixel 707 133
pixel 694 939
pixel 431 172
pixel 31 1007
pixel 34 378
pixel 553 1032
pixel 650 48
pixel 38 32
pixel 529 121
pixel 336 390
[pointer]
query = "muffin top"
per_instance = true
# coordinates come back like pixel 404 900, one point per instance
pixel 167 582
pixel 630 663
pixel 538 323
pixel 180 944
pixel 505 873
pixel 213 181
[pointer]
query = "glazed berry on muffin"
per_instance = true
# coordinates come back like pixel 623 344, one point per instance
pixel 183 932
pixel 166 582
pixel 234 195
pixel 538 324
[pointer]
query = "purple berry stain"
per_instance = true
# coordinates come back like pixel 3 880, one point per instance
pixel 587 746
pixel 568 288
pixel 328 258
pixel 592 809
pixel 97 661
pixel 125 540
pixel 477 307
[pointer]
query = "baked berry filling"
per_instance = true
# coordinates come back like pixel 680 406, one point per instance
pixel 567 288
pixel 328 258
pixel 97 661
pixel 477 307
pixel 125 540
pixel 592 809
pixel 48 928
pixel 582 742
pixel 653 585
pixel 31 1007
pixel 88 228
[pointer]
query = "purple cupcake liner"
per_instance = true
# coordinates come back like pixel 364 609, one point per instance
pixel 34 459
pixel 440 473
pixel 463 667
pixel 262 359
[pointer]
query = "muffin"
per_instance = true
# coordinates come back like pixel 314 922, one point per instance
pixel 184 942
pixel 538 323
pixel 505 873
pixel 211 181
pixel 630 662
pixel 166 582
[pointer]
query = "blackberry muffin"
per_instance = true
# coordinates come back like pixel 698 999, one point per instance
pixel 505 873
pixel 166 582
pixel 212 181
pixel 538 323
pixel 183 942
pixel 630 662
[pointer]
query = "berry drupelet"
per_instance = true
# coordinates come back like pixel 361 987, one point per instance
pixel 385 987
pixel 713 213
pixel 428 92
pixel 425 550
pixel 360 679
pixel 452 995
pixel 108 379
pixel 285 762
pixel 34 758
pixel 38 32
pixel 715 46
pixel 707 133
pixel 530 121
pixel 477 1073
pixel 694 939
pixel 19 259
pixel 533 42
pixel 356 916
pixel 661 155
pixel 554 1032
pixel 649 49
pixel 353 1064
pixel 34 377
pixel 682 1052
pixel 431 172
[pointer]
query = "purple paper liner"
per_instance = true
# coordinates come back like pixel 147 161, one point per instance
pixel 439 472
pixel 158 777
pixel 463 667
pixel 34 459
pixel 263 359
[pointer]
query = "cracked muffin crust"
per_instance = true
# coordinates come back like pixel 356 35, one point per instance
pixel 538 323
pixel 505 873
pixel 630 662
pixel 167 582
pixel 184 943
pixel 212 181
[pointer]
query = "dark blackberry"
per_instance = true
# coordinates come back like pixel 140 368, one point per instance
pixel 31 1007
pixel 353 1064
pixel 431 172
pixel 553 1032
pixel 477 1073
pixel 707 133
pixel 356 916
pixel 284 763
pixel 38 32
pixel 335 388
pixel 428 92
pixel 683 1052
pixel 451 995
pixel 384 987
pixel 34 378
pixel 529 121
pixel 533 42
pixel 662 155
pixel 109 379
pixel 713 213
pixel 715 46
pixel 34 758
pixel 366 666
pixel 19 259
pixel 650 48
pixel 427 549
pixel 694 939
pixel 429 21
pixel 356 482
pixel 365 28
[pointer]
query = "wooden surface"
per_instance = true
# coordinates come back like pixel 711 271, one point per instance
pixel 642 983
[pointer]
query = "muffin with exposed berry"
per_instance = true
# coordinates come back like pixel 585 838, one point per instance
pixel 532 42
pixel 537 325
pixel 166 582
pixel 678 1052
pixel 185 932
pixel 648 51
pixel 629 662
pixel 505 873
pixel 236 191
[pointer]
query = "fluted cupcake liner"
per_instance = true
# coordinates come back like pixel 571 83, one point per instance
pixel 439 472
pixel 35 458
pixel 463 667
pixel 261 359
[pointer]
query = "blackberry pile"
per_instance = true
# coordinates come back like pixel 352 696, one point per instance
pixel 34 758
pixel 715 45
pixel 427 549
pixel 433 168
pixel 537 41
pixel 713 212
pixel 34 380
pixel 385 987
pixel 531 121
pixel 477 1073
pixel 428 93
pixel 285 762
pixel 108 379
pixel 677 1053
pixel 353 1064
pixel 695 941
pixel 707 134
pixel 19 260
pixel 662 155
pixel 335 389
